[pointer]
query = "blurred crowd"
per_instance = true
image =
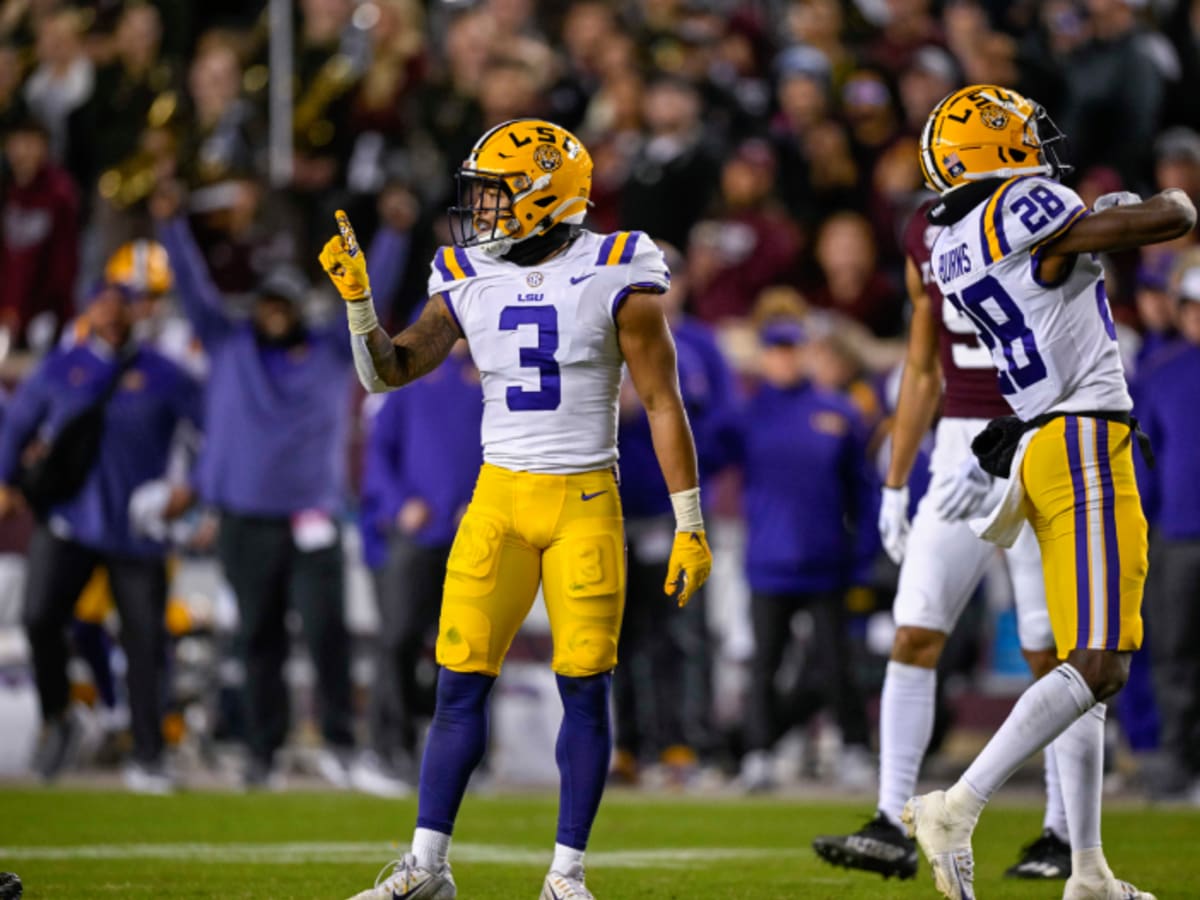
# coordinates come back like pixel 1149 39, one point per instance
pixel 769 145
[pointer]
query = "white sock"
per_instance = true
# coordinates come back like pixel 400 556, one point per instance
pixel 1055 819
pixel 431 848
pixel 1090 865
pixel 1081 754
pixel 1046 709
pixel 905 726
pixel 566 859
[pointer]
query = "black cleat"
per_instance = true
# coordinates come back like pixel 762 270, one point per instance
pixel 1046 859
pixel 879 846
pixel 10 886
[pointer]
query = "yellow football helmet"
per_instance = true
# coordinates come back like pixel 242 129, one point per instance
pixel 142 267
pixel 986 131
pixel 522 178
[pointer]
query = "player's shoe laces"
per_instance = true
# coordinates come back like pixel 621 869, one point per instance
pixel 879 846
pixel 1047 858
pixel 408 881
pixel 945 838
pixel 1107 887
pixel 565 886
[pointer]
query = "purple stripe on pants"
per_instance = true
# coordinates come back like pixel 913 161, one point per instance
pixel 1083 574
pixel 1112 554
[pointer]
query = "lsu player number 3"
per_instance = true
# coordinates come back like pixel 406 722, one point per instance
pixel 551 313
pixel 1015 257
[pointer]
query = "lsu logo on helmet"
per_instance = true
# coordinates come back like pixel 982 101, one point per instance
pixel 987 131
pixel 521 179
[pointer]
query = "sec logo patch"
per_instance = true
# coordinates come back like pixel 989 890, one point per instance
pixel 534 279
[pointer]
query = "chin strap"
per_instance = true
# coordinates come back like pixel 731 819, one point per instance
pixel 535 249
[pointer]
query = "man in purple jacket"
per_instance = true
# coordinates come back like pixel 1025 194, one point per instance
pixel 92 528
pixel 278 403
pixel 809 499
pixel 1165 402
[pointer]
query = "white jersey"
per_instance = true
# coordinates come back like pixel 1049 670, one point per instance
pixel 544 339
pixel 1054 345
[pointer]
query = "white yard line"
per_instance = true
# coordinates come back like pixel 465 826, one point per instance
pixel 367 852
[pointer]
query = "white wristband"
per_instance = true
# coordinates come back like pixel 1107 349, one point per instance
pixel 360 315
pixel 688 516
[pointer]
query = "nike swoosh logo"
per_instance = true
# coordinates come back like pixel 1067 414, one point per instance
pixel 575 279
pixel 584 496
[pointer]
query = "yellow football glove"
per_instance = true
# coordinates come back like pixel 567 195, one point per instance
pixel 345 263
pixel 689 567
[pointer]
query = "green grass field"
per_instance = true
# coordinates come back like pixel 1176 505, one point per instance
pixel 325 845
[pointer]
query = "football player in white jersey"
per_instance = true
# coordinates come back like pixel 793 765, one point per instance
pixel 551 313
pixel 941 564
pixel 1016 256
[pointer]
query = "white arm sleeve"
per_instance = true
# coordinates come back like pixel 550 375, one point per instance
pixel 365 366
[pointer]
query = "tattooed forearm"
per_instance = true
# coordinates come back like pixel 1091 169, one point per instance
pixel 417 350
pixel 421 348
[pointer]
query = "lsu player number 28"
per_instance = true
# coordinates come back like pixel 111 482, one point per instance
pixel 1015 256
pixel 551 313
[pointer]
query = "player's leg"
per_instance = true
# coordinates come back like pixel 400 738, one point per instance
pixel 57 573
pixel 830 668
pixel 1175 569
pixel 1108 628
pixel 941 569
pixel 254 555
pixel 1049 855
pixel 634 710
pixel 491 581
pixel 140 591
pixel 583 581
pixel 316 590
pixel 770 619
pixel 1095 567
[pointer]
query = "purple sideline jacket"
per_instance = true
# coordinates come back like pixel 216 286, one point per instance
pixel 708 396
pixel 810 495
pixel 139 423
pixel 424 442
pixel 1165 406
pixel 277 417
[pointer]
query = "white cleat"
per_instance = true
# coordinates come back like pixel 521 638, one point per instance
pixel 1108 888
pixel 408 881
pixel 945 838
pixel 565 886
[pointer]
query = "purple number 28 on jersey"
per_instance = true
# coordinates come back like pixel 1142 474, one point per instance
pixel 1007 331
pixel 549 393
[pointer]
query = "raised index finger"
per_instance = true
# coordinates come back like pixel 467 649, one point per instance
pixel 349 239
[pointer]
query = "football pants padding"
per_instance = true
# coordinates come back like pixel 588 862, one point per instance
pixel 1084 505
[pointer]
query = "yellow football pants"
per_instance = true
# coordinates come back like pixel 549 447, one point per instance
pixel 520 529
pixel 1084 505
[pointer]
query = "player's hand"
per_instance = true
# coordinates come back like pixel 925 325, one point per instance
pixel 1116 198
pixel 689 567
pixel 345 263
pixel 960 493
pixel 893 521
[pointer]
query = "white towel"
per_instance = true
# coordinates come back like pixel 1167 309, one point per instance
pixel 1002 525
